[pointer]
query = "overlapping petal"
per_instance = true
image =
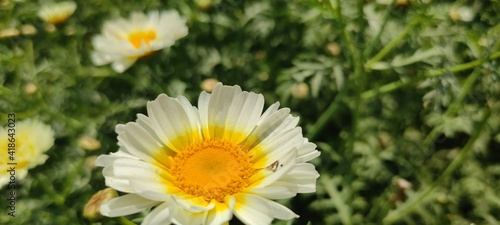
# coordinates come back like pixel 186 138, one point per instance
pixel 159 216
pixel 255 210
pixel 126 205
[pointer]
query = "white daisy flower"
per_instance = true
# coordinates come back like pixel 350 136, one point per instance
pixel 202 165
pixel 32 140
pixel 55 13
pixel 123 41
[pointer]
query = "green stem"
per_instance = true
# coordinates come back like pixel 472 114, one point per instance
pixel 388 48
pixel 386 88
pixel 433 73
pixel 461 67
pixel 125 221
pixel 324 118
pixel 466 88
pixel 376 39
pixel 414 201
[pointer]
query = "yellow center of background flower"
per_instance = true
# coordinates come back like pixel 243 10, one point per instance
pixel 212 169
pixel 57 19
pixel 138 37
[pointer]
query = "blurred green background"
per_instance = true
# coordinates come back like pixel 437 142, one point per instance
pixel 401 97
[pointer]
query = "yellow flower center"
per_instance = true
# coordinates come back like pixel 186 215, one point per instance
pixel 57 19
pixel 212 169
pixel 138 37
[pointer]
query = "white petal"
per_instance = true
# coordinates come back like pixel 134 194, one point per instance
pixel 269 111
pixel 119 183
pixel 271 150
pixel 145 122
pixel 140 143
pixel 122 64
pixel 114 29
pixel 170 116
pixel 203 105
pixel 195 210
pixel 275 191
pixel 163 42
pixel 100 59
pixel 192 204
pixel 182 216
pixel 124 170
pixel 222 212
pixel 307 151
pixel 303 176
pixel 220 100
pixel 193 115
pixel 153 19
pixel 105 160
pixel 172 22
pixel 150 189
pixel 126 205
pixel 242 116
pixel 138 19
pixel 281 212
pixel 120 128
pixel 255 210
pixel 161 215
pixel 265 177
pixel 267 127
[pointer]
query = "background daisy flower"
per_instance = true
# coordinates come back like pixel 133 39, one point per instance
pixel 33 138
pixel 56 13
pixel 201 166
pixel 123 41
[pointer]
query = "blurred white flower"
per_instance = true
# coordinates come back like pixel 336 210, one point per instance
pixel 32 140
pixel 202 165
pixel 123 41
pixel 55 13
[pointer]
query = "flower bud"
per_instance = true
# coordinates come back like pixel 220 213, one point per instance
pixel 29 88
pixel 204 5
pixel 89 143
pixel 300 90
pixel 333 48
pixel 28 29
pixel 91 211
pixel 209 84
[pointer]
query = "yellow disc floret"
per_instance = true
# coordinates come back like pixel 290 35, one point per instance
pixel 137 38
pixel 212 169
